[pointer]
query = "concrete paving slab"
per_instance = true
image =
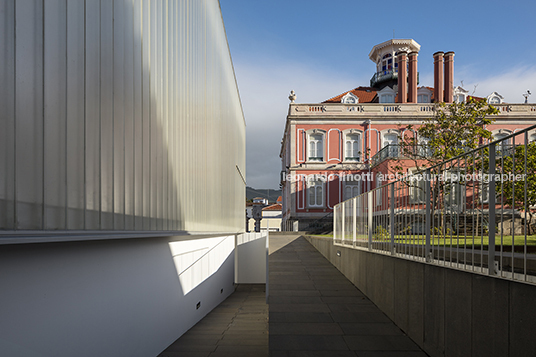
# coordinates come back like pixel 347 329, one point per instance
pixel 321 313
pixel 237 327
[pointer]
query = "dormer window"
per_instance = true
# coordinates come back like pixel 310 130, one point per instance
pixel 387 95
pixel 495 98
pixel 460 95
pixel 423 98
pixel 350 98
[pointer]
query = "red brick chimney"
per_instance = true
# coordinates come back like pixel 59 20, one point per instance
pixel 402 59
pixel 412 78
pixel 438 76
pixel 449 77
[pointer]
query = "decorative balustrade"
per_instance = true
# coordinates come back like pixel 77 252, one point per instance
pixel 393 109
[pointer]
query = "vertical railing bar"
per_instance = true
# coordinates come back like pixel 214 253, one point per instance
pixel 392 216
pixel 491 209
pixel 513 216
pixel 369 213
pixel 428 224
pixel 526 208
pixel 354 221
pixel 342 223
pixel 501 204
pixel 335 222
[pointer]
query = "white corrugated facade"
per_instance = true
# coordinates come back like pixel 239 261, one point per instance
pixel 119 115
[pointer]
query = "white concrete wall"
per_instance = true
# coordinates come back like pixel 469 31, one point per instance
pixel 252 257
pixel 129 297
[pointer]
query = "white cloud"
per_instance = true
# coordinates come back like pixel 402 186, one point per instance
pixel 511 84
pixel 264 90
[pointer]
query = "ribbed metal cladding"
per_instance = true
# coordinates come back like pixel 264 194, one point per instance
pixel 119 115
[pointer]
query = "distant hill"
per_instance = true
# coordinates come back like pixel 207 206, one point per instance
pixel 270 194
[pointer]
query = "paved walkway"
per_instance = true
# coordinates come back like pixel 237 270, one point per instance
pixel 237 327
pixel 314 311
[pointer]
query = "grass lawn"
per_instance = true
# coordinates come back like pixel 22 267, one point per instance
pixel 454 241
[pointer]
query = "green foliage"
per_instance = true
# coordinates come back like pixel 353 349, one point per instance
pixel 515 163
pixel 380 233
pixel 442 231
pixel 454 129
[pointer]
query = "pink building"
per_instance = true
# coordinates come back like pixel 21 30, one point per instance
pixel 332 151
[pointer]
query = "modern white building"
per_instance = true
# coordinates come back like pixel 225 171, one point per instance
pixel 122 163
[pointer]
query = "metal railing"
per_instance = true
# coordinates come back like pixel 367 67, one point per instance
pixel 472 212
pixel 395 151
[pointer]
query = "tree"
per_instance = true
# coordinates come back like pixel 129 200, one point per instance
pixel 453 130
pixel 521 194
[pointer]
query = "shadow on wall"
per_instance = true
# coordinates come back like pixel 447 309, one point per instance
pixel 120 298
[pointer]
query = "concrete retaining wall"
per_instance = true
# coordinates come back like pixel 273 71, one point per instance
pixel 446 312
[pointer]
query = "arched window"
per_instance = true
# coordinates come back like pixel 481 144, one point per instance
pixel 387 63
pixel 352 147
pixel 390 142
pixel 351 190
pixel 505 146
pixel 532 138
pixel 379 182
pixel 315 196
pixel 316 147
pixel 349 98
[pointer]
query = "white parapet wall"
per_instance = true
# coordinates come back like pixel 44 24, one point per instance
pixel 251 258
pixel 129 297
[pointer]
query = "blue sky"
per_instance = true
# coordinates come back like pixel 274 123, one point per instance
pixel 320 49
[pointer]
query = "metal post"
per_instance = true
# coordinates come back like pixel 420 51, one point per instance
pixel 355 220
pixel 342 224
pixel 392 217
pixel 335 224
pixel 369 194
pixel 428 219
pixel 491 204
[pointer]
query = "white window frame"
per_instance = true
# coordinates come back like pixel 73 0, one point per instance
pixel 316 186
pixel 387 91
pixel 310 134
pixel 460 95
pixel 458 195
pixel 350 98
pixel 353 132
pixel 393 151
pixel 416 187
pixel 424 92
pixel 503 145
pixel 494 97
pixel 379 183
pixel 354 188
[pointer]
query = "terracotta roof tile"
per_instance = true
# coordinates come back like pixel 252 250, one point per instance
pixel 365 95
pixel 276 207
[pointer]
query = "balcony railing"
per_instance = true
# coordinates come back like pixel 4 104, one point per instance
pixel 383 76
pixel 394 151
